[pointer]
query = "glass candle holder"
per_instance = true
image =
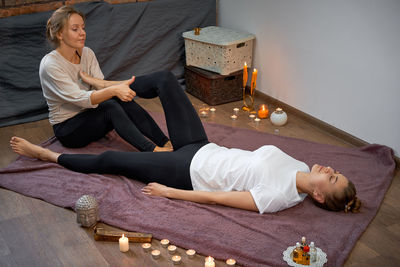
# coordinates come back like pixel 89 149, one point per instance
pixel 263 112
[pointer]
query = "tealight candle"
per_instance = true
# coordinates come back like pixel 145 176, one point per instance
pixel 209 262
pixel 171 249
pixel 123 243
pixel 233 117
pixel 236 111
pixel 203 110
pixel 191 253
pixel 252 117
pixel 155 254
pixel 257 121
pixel 230 262
pixel 146 246
pixel 164 243
pixel 213 110
pixel 263 112
pixel 176 259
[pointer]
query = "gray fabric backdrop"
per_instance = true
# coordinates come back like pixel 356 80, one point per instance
pixel 128 39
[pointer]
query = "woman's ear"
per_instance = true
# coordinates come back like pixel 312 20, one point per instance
pixel 59 36
pixel 318 196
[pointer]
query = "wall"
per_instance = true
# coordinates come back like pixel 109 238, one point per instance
pixel 338 61
pixel 19 7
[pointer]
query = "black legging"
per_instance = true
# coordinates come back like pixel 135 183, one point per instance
pixel 169 168
pixel 129 120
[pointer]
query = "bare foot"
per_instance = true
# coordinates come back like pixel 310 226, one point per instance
pixel 26 148
pixel 163 149
pixel 168 144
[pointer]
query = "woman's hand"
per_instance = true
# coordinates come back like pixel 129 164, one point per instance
pixel 155 189
pixel 123 91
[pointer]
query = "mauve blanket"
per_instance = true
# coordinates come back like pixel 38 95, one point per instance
pixel 252 239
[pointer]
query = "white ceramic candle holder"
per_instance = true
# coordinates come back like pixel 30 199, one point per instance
pixel 278 117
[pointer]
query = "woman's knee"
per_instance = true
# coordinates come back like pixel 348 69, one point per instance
pixel 112 107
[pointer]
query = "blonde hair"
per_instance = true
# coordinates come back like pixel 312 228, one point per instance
pixel 57 22
pixel 345 201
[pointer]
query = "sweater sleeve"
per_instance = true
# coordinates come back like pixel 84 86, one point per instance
pixel 61 85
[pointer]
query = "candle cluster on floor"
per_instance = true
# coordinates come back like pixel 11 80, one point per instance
pixel 172 250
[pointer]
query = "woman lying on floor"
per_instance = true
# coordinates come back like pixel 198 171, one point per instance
pixel 264 180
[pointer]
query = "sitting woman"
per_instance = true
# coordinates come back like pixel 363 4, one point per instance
pixel 80 115
pixel 264 180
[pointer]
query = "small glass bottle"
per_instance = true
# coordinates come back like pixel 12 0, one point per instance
pixel 303 242
pixel 313 252
pixel 306 255
pixel 297 254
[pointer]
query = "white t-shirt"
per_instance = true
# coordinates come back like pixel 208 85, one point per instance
pixel 65 93
pixel 268 173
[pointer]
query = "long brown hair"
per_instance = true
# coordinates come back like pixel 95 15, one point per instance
pixel 57 22
pixel 344 201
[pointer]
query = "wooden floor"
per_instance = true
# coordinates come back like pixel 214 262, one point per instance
pixel 35 233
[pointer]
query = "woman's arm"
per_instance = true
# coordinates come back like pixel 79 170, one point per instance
pixel 236 199
pixel 98 83
pixel 120 90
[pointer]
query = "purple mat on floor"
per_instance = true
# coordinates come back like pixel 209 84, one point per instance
pixel 250 238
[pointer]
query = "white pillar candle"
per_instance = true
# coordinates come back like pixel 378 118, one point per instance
pixel 146 246
pixel 155 254
pixel 191 253
pixel 164 243
pixel 230 262
pixel 176 259
pixel 171 249
pixel 123 244
pixel 209 262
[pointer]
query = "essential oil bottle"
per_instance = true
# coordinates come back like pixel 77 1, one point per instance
pixel 297 254
pixel 306 255
pixel 313 253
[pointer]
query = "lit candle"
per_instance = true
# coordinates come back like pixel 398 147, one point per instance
pixel 252 117
pixel 171 249
pixel 164 243
pixel 230 262
pixel 176 259
pixel 190 253
pixel 245 75
pixel 253 81
pixel 263 112
pixel 213 110
pixel 278 117
pixel 146 246
pixel 236 111
pixel 257 120
pixel 233 117
pixel 123 243
pixel 155 254
pixel 209 262
pixel 204 110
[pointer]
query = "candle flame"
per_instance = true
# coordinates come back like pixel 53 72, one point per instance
pixel 209 259
pixel 123 235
